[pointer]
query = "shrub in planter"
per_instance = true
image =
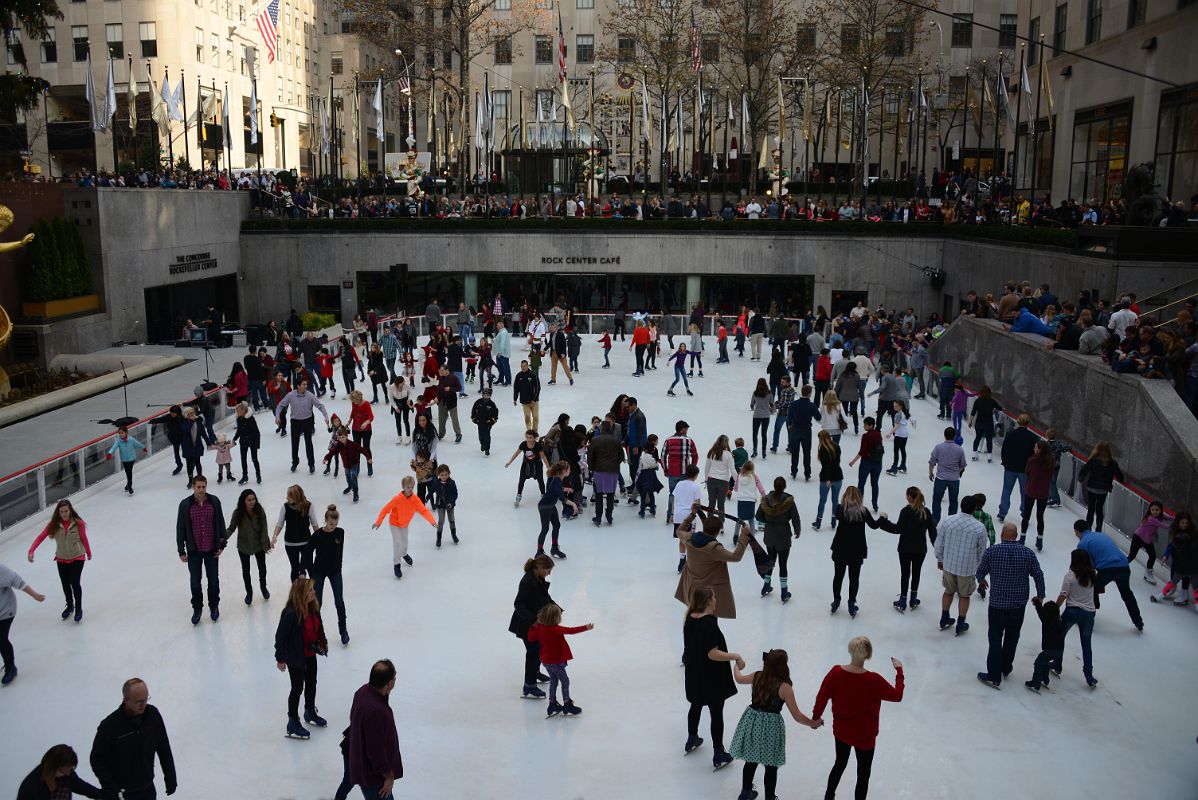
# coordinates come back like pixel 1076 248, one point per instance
pixel 41 282
pixel 314 321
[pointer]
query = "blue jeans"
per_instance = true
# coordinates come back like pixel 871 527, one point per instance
pixel 1084 620
pixel 258 395
pixel 679 374
pixel 1009 479
pixel 505 369
pixel 938 487
pixel 1054 494
pixel 824 491
pixel 461 383
pixel 351 478
pixel 779 424
pixel 1005 625
pixel 869 470
pixel 606 353
pixel 465 331
pixel 557 674
pixel 958 418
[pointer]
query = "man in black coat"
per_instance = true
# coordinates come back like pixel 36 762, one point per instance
pixel 1017 448
pixel 125 745
pixel 256 376
pixel 526 390
pixel 200 536
pixel 531 597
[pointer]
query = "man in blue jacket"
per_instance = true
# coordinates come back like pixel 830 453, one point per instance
pixel 636 433
pixel 798 428
pixel 1112 566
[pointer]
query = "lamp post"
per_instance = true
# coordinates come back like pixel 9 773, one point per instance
pixel 939 86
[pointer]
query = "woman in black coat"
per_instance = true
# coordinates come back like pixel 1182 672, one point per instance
pixel 915 528
pixel 173 420
pixel 56 775
pixel 848 546
pixel 298 640
pixel 708 672
pixel 531 597
pixel 778 514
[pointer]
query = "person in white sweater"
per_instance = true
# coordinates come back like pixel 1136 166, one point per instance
pixel 718 473
pixel 748 492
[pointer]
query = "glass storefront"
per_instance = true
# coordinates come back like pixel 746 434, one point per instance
pixel 1177 144
pixel 1033 158
pixel 1099 161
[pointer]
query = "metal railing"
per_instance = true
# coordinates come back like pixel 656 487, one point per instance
pixel 40 486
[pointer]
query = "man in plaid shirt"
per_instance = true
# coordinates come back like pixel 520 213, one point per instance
pixel 677 453
pixel 390 344
pixel 960 543
pixel 1008 564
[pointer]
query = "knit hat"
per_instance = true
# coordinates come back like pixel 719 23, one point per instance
pixel 199 391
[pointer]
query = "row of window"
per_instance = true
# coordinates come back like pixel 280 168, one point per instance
pixel 962 30
pixel 147 34
pixel 1137 11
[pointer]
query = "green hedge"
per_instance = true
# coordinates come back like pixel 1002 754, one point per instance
pixel 1051 237
pixel 315 321
pixel 58 266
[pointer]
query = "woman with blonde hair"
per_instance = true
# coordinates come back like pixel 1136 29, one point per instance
pixel 68 531
pixel 915 528
pixel 848 546
pixel 299 639
pixel 831 476
pixel 832 420
pixel 856 695
pixel 299 520
pixel 718 473
pixel 1098 475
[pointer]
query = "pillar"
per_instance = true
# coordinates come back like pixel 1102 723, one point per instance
pixel 694 292
pixel 470 290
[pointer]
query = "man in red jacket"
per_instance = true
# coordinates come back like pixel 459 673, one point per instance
pixel 375 762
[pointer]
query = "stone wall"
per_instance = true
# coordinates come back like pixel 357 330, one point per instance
pixel 1154 436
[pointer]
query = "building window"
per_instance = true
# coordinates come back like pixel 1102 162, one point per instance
pixel 1093 21
pixel 962 30
pixel 584 48
pixel 543 49
pixel 1058 30
pixel 79 42
pixel 447 57
pixel 1099 161
pixel 280 80
pixel 805 38
pixel 503 50
pixel 1008 24
pixel 12 41
pixel 503 5
pixel 1137 10
pixel 214 41
pixel 1177 143
pixel 501 100
pixel 710 47
pixel 896 40
pixel 147 32
pixel 337 62
pixel 114 39
pixel 585 4
pixel 625 49
pixel 49 48
pixel 850 38
pixel 199 45
pixel 1033 36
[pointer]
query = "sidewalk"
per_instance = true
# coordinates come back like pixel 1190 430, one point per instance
pixel 26 443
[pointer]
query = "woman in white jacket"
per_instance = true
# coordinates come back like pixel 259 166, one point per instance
pixel 718 472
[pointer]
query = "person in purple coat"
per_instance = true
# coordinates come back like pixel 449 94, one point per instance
pixel 374 759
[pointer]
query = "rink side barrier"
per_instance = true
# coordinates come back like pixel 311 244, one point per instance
pixel 38 487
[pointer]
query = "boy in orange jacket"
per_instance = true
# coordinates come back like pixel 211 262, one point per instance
pixel 399 512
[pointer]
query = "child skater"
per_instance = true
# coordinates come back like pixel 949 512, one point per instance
pixel 350 453
pixel 959 405
pixel 399 511
pixel 899 433
pixel 647 482
pixel 351 364
pixel 532 463
pixel 549 632
pixel 224 458
pixel 1156 520
pixel 748 492
pixel 334 437
pixel 696 350
pixel 573 348
pixel 547 507
pixel 249 438
pixel 443 493
pixel 407 365
pixel 605 343
pixel 484 414
pixel 425 467
pixel 679 359
pixel 1052 644
pixel 760 736
pixel 328 548
pixel 326 371
pixel 127 447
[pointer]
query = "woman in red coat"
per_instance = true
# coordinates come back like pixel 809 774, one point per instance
pixel 361 425
pixel 856 695
pixel 1040 467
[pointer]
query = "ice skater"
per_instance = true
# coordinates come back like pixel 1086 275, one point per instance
pixel 444 497
pixel 297 518
pixel 68 531
pixel 484 414
pixel 533 461
pixel 328 549
pixel 299 639
pixel 550 634
pixel 249 439
pixel 679 359
pixel 253 540
pixel 915 528
pixel 531 597
pixel 127 447
pixel 224 458
pixel 399 512
pixel 547 507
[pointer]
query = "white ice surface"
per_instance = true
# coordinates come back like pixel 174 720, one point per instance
pixel 465 732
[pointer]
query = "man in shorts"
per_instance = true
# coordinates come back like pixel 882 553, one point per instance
pixel 960 544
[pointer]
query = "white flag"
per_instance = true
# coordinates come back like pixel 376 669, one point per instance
pixel 95 112
pixel 158 109
pixel 478 122
pixel 131 99
pixel 731 113
pixel 646 122
pixel 325 141
pixel 744 119
pixel 377 105
pixel 178 100
pixel 553 110
pixel 224 121
pixel 254 113
pixel 109 97
pixel 1026 87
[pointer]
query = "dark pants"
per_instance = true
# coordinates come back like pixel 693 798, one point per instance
pixel 549 519
pixel 760 425
pixel 303 681
pixel 716 710
pixel 194 467
pixel 746 780
pixel 148 793
pixel 938 488
pixel 1138 544
pixel 177 448
pixel 300 557
pixel 910 565
pixel 6 652
pixel 1095 502
pixel 1005 625
pixel 204 563
pixel 800 439
pixel 900 453
pixel 484 437
pixel 640 358
pixel 128 467
pixel 258 395
pixel 245 569
pixel 782 556
pixel 1119 576
pixel 1040 504
pixel 250 451
pixel 70 575
pixel 1046 659
pixel 865 762
pixel 303 428
pixel 854 571
pixel 338 596
pixel 403 420
pixel 532 661
pixel 504 365
pixel 602 498
pixel 986 436
pixel 850 410
pixel 869 471
pixel 538 477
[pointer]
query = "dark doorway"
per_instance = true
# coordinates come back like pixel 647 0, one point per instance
pixel 844 300
pixel 169 307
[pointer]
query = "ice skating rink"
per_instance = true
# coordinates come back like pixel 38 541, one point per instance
pixel 464 730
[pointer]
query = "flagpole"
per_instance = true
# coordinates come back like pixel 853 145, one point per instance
pixel 994 169
pixel 1035 125
pixel 898 122
pixel 836 145
pixel 92 117
pixel 912 129
pixel 170 133
pixel 227 139
pixel 133 112
pixel 1015 165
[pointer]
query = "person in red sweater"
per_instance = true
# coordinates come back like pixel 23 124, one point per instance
pixel 361 425
pixel 326 371
pixel 555 653
pixel 823 374
pixel 640 342
pixel 871 455
pixel 856 695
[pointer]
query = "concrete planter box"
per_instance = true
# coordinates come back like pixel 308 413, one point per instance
pixel 62 308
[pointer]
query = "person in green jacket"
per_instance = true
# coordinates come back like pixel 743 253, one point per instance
pixel 253 539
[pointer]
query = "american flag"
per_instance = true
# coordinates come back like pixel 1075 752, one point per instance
pixel 268 21
pixel 405 85
pixel 561 49
pixel 696 49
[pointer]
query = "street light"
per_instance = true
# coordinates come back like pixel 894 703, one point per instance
pixel 939 85
pixel 409 117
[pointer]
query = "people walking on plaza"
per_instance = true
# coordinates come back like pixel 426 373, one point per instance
pixel 981 419
pixel 761 404
pixel 248 520
pixel 706 560
pixel 374 760
pixel 678 357
pixel 361 425
pixel 195 443
pixel 55 776
pixel 299 639
pixel 707 673
pixel 1052 644
pixel 1017 447
pixel 849 548
pixel 960 544
pixel 200 537
pixel 831 476
pixel 303 405
pixel 718 473
pixel 296 520
pixel 10 584
pixel 126 744
pixel 127 448
pixel 1008 565
pixel 399 511
pixel 915 528
pixel 872 454
pixel 531 596
pixel 249 439
pixel 946 466
pixel 1098 475
pixel 526 391
pixel 67 530
pixel 444 497
pixel 604 457
pixel 1077 601
pixel 900 433
pixel 1112 566
pixel 780 518
pixel 328 549
pixel 1039 474
pixel 549 633
pixel 800 416
pixel 760 737
pixel 856 695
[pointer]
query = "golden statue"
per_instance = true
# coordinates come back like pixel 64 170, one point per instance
pixel 6 219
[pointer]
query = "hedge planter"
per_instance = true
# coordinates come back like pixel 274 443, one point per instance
pixel 55 309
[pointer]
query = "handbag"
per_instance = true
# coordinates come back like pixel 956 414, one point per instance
pixel 841 422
